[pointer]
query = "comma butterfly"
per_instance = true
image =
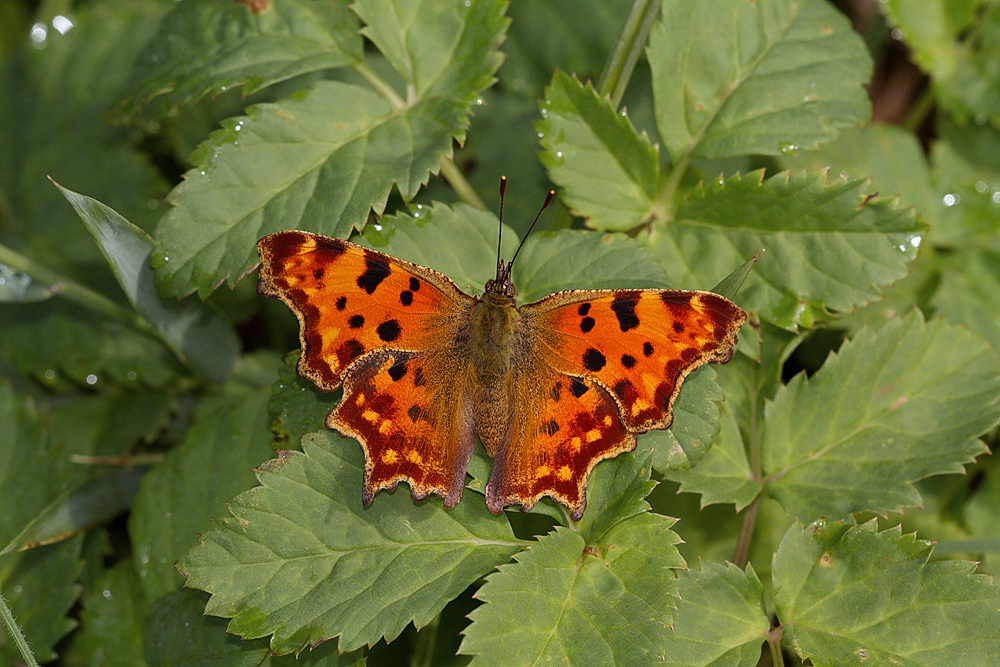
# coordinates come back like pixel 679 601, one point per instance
pixel 551 388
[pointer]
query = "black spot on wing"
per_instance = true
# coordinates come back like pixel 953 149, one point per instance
pixel 388 331
pixel 583 310
pixel 623 306
pixel 647 349
pixel 341 303
pixel 414 284
pixel 678 327
pixel 406 297
pixel 356 321
pixel 397 371
pixel 628 361
pixel 415 413
pixel 578 388
pixel 593 360
pixel 587 324
pixel 318 274
pixel 550 427
pixel 418 377
pixel 376 270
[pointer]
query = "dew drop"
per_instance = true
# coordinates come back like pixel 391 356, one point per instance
pixel 62 24
pixel 950 199
pixel 91 379
pixel 106 593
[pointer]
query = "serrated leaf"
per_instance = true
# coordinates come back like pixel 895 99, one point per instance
pixel 696 421
pixel 213 45
pixel 891 407
pixel 829 245
pixel 327 157
pixel 177 499
pixel 568 601
pixel 195 333
pixel 850 594
pixel 720 618
pixel 791 74
pixel 302 560
pixel 609 173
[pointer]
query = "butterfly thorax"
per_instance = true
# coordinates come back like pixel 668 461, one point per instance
pixel 493 333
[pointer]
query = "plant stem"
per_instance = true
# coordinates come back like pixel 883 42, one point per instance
pixel 380 85
pixel 774 643
pixel 15 634
pixel 918 113
pixel 59 285
pixel 631 40
pixel 456 179
pixel 742 552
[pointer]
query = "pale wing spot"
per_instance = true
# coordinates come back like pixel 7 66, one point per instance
pixel 542 471
pixel 639 406
pixel 698 305
pixel 360 399
pixel 385 427
pixel 370 416
pixel 564 473
pixel 390 456
pixel 413 456
pixel 608 420
pixel 575 443
pixel 593 435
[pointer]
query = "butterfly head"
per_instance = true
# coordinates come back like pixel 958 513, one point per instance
pixel 502 285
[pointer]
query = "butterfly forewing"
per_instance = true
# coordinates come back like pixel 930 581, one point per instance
pixel 640 344
pixel 351 300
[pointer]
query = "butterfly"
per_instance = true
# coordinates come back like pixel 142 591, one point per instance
pixel 551 388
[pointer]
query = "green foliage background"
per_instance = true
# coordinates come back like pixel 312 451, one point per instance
pixel 160 460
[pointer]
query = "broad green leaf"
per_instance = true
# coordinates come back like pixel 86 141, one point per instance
pixel 696 421
pixel 297 406
pixel 325 158
pixel 969 293
pixel 577 259
pixel 178 632
pixel 544 37
pixel 213 45
pixel 459 241
pixel 567 601
pixel 195 333
pixel 851 594
pixel 73 511
pixel 790 73
pixel 616 492
pixel 962 62
pixel 302 560
pixel 177 499
pixel 112 618
pixel 891 407
pixel 89 350
pixel 891 157
pixel 720 618
pixel 966 175
pixel 609 173
pixel 829 245
pixel 53 123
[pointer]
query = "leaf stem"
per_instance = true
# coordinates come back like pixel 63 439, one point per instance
pixel 631 40
pixel 919 111
pixel 742 552
pixel 456 179
pixel 59 285
pixel 15 634
pixel 380 85
pixel 774 643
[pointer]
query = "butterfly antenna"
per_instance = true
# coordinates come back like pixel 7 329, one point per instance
pixel 545 204
pixel 503 191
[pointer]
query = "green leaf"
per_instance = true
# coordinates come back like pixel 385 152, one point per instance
pixel 719 620
pixel 179 633
pixel 301 559
pixel 893 406
pixel 696 421
pixel 969 293
pixel 829 246
pixel 213 45
pixel 194 332
pixel 75 510
pixel 326 158
pixel 966 175
pixel 566 600
pixel 850 594
pixel 963 63
pixel 608 171
pixel 791 74
pixel 177 499
pixel 112 619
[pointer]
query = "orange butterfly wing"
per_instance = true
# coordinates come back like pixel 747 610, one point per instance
pixel 614 363
pixel 384 329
